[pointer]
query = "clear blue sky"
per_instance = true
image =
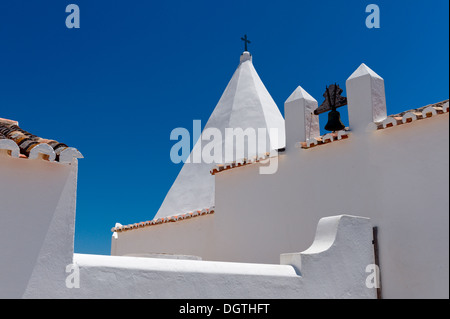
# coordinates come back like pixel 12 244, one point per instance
pixel 135 70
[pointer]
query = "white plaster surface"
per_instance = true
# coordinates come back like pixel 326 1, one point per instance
pixel 398 177
pixel 9 147
pixel 245 103
pixel 301 123
pixel 69 154
pixel 171 238
pixel 335 272
pixel 42 149
pixel 37 208
pixel 366 98
pixel 445 107
pixel 36 237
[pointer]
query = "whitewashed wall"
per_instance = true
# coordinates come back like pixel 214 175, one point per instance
pixel 398 177
pixel 37 209
pixel 188 237
pixel 37 221
pixel 334 267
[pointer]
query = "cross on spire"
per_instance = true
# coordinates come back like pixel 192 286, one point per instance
pixel 245 41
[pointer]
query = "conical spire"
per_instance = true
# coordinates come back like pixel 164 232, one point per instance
pixel 244 104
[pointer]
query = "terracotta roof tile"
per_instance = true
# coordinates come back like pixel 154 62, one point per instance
pixel 325 139
pixel 392 120
pixel 243 162
pixel 413 115
pixel 32 146
pixel 163 220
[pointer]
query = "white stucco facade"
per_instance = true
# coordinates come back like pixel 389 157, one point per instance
pixel 396 176
pixel 334 267
pixel 37 207
pixel 38 260
pixel 305 231
pixel 245 104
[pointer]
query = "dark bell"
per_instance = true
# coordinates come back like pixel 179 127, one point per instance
pixel 334 122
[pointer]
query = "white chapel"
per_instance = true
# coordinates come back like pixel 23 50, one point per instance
pixel 361 212
pixel 392 168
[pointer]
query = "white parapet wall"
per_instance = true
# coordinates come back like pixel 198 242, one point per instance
pixel 37 209
pixel 398 177
pixel 392 169
pixel 193 236
pixel 334 267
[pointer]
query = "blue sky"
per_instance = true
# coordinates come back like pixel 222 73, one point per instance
pixel 134 70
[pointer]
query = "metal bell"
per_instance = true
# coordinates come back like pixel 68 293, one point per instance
pixel 334 121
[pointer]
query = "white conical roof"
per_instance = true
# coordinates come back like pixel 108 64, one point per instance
pixel 245 103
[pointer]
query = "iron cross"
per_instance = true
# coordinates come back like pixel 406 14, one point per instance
pixel 245 41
